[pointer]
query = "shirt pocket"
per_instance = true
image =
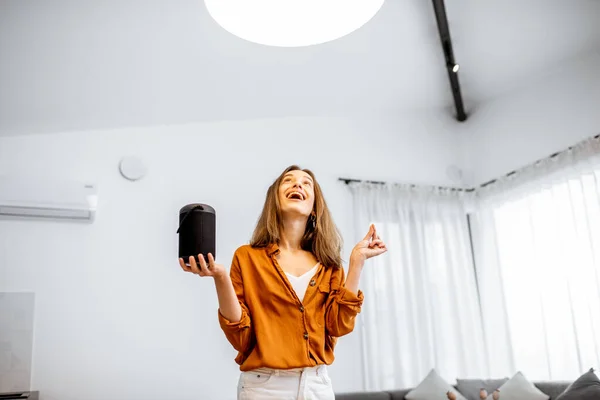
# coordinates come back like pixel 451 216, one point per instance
pixel 325 288
pixel 323 291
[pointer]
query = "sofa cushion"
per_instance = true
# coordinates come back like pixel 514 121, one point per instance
pixel 470 387
pixel 586 387
pixel 433 387
pixel 398 394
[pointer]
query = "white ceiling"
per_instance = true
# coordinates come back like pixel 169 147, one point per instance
pixel 83 64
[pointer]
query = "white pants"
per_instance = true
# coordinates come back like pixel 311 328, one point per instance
pixel 311 383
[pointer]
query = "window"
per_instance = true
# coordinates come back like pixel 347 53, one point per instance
pixel 548 257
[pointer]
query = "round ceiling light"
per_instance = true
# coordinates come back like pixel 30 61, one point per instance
pixel 292 23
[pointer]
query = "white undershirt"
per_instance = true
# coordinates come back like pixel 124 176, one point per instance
pixel 300 283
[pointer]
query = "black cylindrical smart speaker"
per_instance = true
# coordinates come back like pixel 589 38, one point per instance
pixel 197 226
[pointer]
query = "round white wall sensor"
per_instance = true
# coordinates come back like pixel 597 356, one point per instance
pixel 132 168
pixel 454 173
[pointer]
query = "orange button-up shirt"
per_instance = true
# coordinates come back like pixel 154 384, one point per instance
pixel 277 330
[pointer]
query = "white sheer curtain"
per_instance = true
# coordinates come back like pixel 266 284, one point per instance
pixel 421 307
pixel 537 246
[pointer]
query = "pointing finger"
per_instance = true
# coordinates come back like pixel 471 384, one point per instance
pixel 369 235
pixel 375 235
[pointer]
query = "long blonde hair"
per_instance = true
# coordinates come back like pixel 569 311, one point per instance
pixel 323 240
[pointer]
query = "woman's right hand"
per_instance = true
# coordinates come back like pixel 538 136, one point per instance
pixel 212 269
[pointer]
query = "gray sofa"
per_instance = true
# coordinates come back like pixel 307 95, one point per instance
pixel 552 389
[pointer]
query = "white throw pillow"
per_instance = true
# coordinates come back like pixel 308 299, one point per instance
pixel 519 388
pixel 433 387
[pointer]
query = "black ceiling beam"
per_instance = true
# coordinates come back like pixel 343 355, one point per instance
pixel 451 66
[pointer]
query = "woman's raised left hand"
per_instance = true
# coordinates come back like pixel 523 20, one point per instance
pixel 370 246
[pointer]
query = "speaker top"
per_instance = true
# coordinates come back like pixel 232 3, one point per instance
pixel 199 206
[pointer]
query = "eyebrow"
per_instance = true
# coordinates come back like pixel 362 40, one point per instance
pixel 306 176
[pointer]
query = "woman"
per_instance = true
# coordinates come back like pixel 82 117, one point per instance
pixel 286 299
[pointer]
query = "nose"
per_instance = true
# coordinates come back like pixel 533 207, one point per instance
pixel 297 185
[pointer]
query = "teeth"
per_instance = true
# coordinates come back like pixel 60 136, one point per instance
pixel 296 193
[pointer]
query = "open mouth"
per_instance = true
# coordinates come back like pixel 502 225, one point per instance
pixel 295 196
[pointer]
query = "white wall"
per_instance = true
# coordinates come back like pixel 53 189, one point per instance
pixel 116 318
pixel 553 113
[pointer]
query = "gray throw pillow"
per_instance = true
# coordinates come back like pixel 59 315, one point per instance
pixel 586 387
pixel 519 388
pixel 470 387
pixel 432 387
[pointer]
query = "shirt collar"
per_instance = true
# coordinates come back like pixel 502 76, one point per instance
pixel 273 248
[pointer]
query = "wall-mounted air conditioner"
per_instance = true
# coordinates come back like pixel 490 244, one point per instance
pixel 56 199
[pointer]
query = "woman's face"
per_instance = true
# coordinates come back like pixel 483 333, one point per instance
pixel 296 194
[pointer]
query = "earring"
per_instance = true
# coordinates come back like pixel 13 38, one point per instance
pixel 314 220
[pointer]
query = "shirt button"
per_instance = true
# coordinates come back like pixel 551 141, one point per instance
pixel 301 309
pixel 313 283
pixel 306 336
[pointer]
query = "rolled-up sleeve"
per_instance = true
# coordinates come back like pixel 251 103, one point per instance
pixel 342 306
pixel 238 333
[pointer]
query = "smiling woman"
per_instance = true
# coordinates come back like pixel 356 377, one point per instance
pixel 286 299
pixel 292 23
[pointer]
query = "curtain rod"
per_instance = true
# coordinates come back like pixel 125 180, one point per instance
pixel 472 189
pixel 456 189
